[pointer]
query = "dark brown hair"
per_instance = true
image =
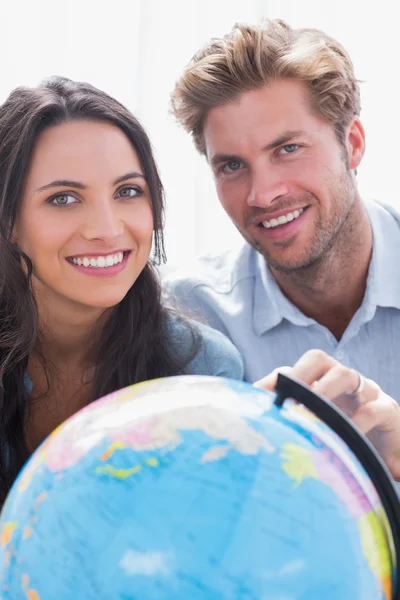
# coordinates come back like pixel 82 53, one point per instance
pixel 133 346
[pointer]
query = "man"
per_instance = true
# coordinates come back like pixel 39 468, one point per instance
pixel 275 111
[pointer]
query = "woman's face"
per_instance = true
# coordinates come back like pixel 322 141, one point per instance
pixel 85 218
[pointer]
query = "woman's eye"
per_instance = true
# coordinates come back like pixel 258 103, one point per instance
pixel 63 200
pixel 289 148
pixel 129 192
pixel 231 166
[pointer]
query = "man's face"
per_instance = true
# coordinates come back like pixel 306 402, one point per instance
pixel 281 173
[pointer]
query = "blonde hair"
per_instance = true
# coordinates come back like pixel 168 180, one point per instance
pixel 251 56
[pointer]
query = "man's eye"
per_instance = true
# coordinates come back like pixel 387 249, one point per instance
pixel 289 148
pixel 232 165
pixel 129 192
pixel 62 200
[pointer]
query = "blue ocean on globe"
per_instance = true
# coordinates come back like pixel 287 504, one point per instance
pixel 194 488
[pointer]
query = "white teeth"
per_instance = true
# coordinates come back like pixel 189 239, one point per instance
pixel 282 219
pixel 100 262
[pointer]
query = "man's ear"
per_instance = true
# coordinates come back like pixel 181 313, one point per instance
pixel 355 143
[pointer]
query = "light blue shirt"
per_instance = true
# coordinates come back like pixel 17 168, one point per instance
pixel 237 294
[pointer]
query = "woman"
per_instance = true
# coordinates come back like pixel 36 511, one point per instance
pixel 80 311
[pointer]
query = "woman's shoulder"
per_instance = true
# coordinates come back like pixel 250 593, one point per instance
pixel 208 350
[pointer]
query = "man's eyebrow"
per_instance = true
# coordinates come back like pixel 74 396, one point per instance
pixel 217 159
pixel 279 141
pixel 284 139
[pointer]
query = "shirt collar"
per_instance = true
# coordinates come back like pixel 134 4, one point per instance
pixel 270 304
pixel 383 283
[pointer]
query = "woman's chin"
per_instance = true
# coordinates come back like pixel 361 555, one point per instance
pixel 102 301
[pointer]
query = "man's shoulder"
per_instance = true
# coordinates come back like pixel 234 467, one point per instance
pixel 381 213
pixel 219 272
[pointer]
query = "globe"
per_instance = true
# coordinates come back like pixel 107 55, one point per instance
pixel 194 488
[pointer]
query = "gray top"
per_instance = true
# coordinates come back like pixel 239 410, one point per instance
pixel 216 355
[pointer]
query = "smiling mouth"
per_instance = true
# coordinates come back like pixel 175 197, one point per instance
pixel 283 219
pixel 99 262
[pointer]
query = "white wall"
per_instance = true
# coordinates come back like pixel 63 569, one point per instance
pixel 135 50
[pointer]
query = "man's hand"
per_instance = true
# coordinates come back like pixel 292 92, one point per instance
pixel 375 413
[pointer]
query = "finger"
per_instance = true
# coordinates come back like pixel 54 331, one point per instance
pixel 269 382
pixel 380 420
pixel 384 413
pixel 338 381
pixel 312 366
pixel 338 385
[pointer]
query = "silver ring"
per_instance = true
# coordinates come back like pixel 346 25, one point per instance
pixel 361 384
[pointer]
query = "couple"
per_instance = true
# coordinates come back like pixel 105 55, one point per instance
pixel 81 203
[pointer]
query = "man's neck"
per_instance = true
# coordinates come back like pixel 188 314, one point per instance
pixel 331 290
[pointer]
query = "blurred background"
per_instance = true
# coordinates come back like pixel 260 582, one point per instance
pixel 136 49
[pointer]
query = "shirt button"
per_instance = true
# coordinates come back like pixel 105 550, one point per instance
pixel 339 355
